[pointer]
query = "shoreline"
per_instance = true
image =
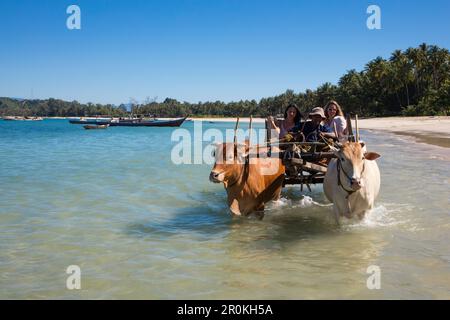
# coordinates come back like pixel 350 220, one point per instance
pixel 430 130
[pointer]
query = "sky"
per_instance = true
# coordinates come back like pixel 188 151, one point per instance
pixel 200 50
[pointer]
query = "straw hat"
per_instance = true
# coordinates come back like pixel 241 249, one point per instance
pixel 317 111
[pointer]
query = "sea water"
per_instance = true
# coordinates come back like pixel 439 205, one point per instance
pixel 140 227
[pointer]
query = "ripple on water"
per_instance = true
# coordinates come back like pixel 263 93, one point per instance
pixel 140 227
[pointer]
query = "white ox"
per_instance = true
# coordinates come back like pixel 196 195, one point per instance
pixel 352 181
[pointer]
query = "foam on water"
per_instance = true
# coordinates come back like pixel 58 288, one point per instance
pixel 382 215
pixel 304 202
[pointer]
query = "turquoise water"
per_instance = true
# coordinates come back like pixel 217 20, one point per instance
pixel 139 227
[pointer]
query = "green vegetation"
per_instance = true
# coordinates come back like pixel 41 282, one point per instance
pixel 411 82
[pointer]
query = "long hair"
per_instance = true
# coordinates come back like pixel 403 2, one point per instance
pixel 338 108
pixel 298 116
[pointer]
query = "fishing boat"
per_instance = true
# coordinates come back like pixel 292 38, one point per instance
pixel 32 119
pixel 97 126
pixel 90 121
pixel 145 123
pixel 18 118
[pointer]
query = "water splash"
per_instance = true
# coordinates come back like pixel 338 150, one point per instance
pixel 383 215
pixel 304 202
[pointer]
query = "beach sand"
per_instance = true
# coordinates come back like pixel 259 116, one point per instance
pixel 255 120
pixel 430 130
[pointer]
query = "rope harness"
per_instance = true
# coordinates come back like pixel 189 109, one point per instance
pixel 243 171
pixel 339 169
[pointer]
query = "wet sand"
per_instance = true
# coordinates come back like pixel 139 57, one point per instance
pixel 430 130
pixel 428 139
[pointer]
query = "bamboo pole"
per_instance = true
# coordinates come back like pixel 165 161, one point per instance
pixel 356 127
pixel 335 130
pixel 250 127
pixel 235 130
pixel 351 137
pixel 235 139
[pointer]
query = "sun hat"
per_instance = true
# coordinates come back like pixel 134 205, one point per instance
pixel 317 111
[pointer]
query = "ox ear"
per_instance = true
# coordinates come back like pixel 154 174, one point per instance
pixel 371 155
pixel 336 148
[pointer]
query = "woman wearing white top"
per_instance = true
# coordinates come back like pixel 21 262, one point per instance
pixel 335 117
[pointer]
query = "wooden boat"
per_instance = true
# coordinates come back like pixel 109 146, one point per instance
pixel 89 121
pixel 18 118
pixel 145 123
pixel 98 126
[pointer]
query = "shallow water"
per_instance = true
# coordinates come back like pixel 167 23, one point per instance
pixel 140 227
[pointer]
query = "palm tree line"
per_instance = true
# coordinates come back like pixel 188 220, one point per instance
pixel 412 82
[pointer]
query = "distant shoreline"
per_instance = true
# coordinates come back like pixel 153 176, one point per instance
pixel 434 130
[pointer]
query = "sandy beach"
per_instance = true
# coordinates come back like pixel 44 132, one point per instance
pixel 432 125
pixel 419 125
pixel 430 130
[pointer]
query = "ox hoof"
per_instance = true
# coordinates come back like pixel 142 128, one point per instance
pixel 348 215
pixel 259 215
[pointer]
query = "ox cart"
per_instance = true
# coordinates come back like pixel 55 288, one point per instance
pixel 255 174
pixel 305 162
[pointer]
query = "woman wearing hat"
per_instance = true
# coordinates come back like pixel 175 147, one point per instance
pixel 314 129
pixel 292 118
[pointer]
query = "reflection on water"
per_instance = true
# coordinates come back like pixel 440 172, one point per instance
pixel 140 227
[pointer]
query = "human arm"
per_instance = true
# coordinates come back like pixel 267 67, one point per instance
pixel 341 125
pixel 273 124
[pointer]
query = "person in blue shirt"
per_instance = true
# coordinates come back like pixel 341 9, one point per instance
pixel 313 130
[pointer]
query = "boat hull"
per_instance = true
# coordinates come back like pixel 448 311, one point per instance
pixel 88 121
pixel 91 127
pixel 143 123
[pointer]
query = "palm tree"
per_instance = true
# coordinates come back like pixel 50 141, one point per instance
pixel 403 70
pixel 415 57
pixel 351 91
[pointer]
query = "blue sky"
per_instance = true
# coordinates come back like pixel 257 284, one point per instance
pixel 199 50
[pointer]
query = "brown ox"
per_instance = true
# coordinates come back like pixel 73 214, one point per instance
pixel 250 182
